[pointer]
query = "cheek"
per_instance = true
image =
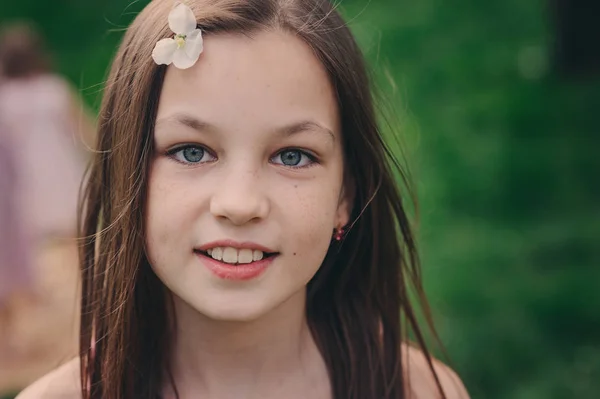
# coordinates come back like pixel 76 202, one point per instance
pixel 311 221
pixel 165 216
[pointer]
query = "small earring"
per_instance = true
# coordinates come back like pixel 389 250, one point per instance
pixel 338 234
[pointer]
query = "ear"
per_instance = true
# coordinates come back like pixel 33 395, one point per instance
pixel 345 204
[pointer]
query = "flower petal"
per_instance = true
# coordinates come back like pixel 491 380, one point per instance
pixel 194 44
pixel 164 51
pixel 181 60
pixel 182 20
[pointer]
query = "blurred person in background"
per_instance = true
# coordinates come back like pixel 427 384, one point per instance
pixel 15 273
pixel 46 138
pixel 50 129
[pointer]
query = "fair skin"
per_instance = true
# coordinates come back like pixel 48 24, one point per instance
pixel 246 102
pixel 256 97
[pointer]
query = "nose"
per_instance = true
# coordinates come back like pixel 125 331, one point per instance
pixel 240 197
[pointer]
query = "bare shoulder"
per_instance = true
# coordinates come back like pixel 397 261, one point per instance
pixel 62 382
pixel 421 381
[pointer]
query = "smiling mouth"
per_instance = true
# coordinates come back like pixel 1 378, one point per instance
pixel 234 256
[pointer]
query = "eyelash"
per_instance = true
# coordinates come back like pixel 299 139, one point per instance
pixel 171 154
pixel 313 158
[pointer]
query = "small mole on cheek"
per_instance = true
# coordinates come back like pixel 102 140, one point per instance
pixel 295 186
pixel 294 254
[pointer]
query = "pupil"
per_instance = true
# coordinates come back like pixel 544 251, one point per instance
pixel 193 154
pixel 291 157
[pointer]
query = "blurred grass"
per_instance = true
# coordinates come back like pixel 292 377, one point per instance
pixel 504 156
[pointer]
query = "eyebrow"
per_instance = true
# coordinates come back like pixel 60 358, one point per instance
pixel 287 130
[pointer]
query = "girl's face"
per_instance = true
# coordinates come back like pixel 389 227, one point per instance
pixel 248 164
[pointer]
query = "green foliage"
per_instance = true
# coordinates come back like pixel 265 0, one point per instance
pixel 506 169
pixel 504 156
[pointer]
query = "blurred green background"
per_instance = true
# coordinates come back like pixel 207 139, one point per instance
pixel 503 149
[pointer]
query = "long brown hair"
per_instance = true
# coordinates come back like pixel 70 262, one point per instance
pixel 358 308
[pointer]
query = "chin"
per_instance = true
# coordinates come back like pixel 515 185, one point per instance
pixel 231 310
pixel 235 316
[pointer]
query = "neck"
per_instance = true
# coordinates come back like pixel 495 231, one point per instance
pixel 259 358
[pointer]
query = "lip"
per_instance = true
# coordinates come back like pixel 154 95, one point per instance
pixel 235 244
pixel 240 272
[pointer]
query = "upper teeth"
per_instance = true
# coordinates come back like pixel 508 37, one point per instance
pixel 234 255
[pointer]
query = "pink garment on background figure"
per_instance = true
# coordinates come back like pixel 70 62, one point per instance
pixel 15 270
pixel 37 114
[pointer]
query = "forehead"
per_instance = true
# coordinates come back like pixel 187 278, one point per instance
pixel 267 79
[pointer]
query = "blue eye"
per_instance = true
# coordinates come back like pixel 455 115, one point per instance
pixel 294 158
pixel 190 154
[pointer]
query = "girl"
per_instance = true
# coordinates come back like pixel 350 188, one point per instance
pixel 244 236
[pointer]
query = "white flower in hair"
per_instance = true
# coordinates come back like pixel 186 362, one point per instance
pixel 183 49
